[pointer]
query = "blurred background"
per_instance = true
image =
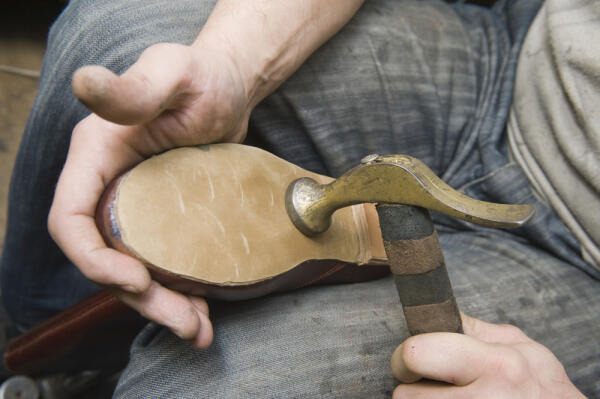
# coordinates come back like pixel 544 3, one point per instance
pixel 23 30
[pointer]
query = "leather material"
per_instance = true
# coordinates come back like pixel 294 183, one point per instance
pixel 217 215
pixel 306 273
pixel 80 337
pixel 94 334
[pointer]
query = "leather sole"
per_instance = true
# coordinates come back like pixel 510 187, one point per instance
pixel 211 221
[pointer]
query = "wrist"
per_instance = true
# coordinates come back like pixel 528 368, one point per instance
pixel 268 41
pixel 249 70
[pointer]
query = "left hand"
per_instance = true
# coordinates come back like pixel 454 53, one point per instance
pixel 488 361
pixel 173 96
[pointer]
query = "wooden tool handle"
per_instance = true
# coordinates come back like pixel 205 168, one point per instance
pixel 417 262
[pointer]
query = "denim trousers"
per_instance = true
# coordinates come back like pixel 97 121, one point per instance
pixel 424 78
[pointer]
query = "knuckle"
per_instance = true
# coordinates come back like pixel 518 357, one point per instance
pixel 513 333
pixel 97 274
pixel 55 220
pixel 184 323
pixel 166 50
pixel 510 365
pixel 142 311
pixel 81 126
pixel 192 323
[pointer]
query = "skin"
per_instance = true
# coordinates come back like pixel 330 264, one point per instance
pixel 177 95
pixel 174 96
pixel 488 361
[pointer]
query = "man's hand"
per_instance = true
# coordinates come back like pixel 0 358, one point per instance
pixel 489 361
pixel 173 96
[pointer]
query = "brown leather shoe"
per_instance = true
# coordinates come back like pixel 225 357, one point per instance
pixel 211 221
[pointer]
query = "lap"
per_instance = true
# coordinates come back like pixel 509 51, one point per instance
pixel 503 280
pixel 336 341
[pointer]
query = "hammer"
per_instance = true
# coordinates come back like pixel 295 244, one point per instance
pixel 404 189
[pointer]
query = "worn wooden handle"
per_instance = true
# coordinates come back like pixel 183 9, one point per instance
pixel 417 262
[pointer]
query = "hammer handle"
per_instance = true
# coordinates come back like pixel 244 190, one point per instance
pixel 417 262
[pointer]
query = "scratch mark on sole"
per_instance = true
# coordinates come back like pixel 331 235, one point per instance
pixel 176 187
pixel 202 208
pixel 245 240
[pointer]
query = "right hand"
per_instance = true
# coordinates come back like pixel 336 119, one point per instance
pixel 173 96
pixel 487 361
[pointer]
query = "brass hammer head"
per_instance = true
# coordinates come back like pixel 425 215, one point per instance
pixel 392 179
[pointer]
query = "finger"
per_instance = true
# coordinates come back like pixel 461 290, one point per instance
pixel 493 333
pixel 205 337
pixel 428 389
pixel 453 358
pixel 399 369
pixel 83 245
pixel 98 263
pixel 172 310
pixel 145 90
pixel 200 305
pixel 72 225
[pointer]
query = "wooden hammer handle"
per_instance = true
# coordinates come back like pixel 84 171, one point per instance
pixel 417 262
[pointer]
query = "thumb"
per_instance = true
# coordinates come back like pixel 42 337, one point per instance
pixel 150 86
pixel 449 357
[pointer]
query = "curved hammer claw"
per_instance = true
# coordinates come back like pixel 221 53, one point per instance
pixel 392 179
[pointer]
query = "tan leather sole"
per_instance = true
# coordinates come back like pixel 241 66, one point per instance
pixel 216 215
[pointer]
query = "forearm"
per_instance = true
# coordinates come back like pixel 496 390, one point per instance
pixel 270 39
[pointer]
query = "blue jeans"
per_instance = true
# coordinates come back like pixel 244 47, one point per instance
pixel 422 78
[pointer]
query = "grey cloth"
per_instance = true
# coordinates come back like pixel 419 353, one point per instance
pixel 424 78
pixel 336 342
pixel 555 125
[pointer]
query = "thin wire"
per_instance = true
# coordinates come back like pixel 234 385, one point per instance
pixel 20 71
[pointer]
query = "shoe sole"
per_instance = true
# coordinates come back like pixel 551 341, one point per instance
pixel 211 220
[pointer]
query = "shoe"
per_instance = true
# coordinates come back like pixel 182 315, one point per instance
pixel 208 221
pixel 211 221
